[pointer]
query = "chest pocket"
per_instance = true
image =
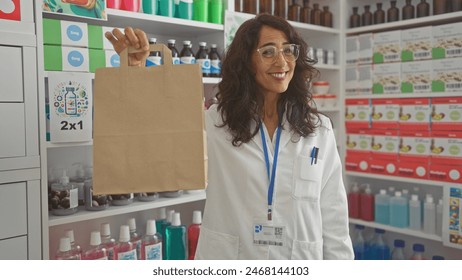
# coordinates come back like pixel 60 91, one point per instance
pixel 307 179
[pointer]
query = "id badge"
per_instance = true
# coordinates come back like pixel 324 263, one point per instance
pixel 269 234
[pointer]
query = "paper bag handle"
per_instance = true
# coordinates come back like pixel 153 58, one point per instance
pixel 163 49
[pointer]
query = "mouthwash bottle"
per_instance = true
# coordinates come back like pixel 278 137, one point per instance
pixel 135 237
pixel 202 58
pixel 96 251
pixel 193 233
pixel 215 61
pixel 108 242
pixel 126 250
pixel 65 251
pixel 164 226
pixel 74 245
pixel 175 240
pixel 151 245
pixel 359 245
pixel 382 207
pixel 175 53
pixel 398 250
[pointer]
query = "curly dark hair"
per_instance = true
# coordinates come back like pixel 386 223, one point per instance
pixel 239 99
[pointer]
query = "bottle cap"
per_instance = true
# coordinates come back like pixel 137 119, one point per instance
pixel 152 40
pixel 360 227
pixel 163 214
pixel 124 234
pixel 95 238
pixel 418 247
pixel 379 230
pixel 399 243
pixel 202 44
pixel 355 187
pixel 171 41
pixel 170 216
pixel 151 227
pixel 64 244
pixel 414 197
pixel 197 217
pixel 429 199
pixel 383 191
pixel 398 194
pixel 64 179
pixel 70 233
pixel 213 45
pixel 105 229
pixel 437 258
pixel 132 224
pixel 186 42
pixel 176 219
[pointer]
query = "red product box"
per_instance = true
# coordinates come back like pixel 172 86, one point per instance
pixel 446 147
pixel 446 113
pixel 384 144
pixel 414 146
pixel 411 169
pixel 385 113
pixel 383 167
pixel 357 113
pixel 358 141
pixel 414 114
pixel 355 162
pixel 446 173
pixel 10 9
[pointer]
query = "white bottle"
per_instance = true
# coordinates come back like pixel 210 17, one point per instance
pixel 439 217
pixel 65 251
pixel 415 213
pixel 429 221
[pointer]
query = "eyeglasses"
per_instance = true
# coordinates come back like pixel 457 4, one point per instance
pixel 269 54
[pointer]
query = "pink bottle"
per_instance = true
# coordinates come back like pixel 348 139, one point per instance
pixel 114 4
pixel 74 246
pixel 135 237
pixel 353 202
pixel 108 242
pixel 193 233
pixel 125 249
pixel 131 5
pixel 96 251
pixel 367 204
pixel 151 246
pixel 65 251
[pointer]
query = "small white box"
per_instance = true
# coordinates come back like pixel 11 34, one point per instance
pixel 447 40
pixel 387 78
pixel 387 47
pixel 352 50
pixel 447 75
pixel 416 76
pixel 351 80
pixel 416 44
pixel 365 79
pixel 366 42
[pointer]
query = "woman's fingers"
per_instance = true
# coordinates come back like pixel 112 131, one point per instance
pixel 132 37
pixel 117 39
pixel 143 39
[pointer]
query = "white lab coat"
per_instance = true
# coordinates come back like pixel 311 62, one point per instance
pixel 309 200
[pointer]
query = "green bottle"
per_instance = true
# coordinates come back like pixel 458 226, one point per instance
pixel 216 11
pixel 175 239
pixel 201 10
pixel 163 230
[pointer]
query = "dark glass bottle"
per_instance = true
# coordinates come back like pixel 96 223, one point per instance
pixel 294 10
pixel 215 61
pixel 439 7
pixel 456 5
pixel 355 18
pixel 408 10
pixel 203 59
pixel 250 6
pixel 305 13
pixel 366 17
pixel 379 14
pixel 267 6
pixel 238 5
pixel 392 12
pixel 281 7
pixel 326 17
pixel 423 9
pixel 316 15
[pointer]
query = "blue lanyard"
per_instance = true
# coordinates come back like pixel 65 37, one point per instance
pixel 271 177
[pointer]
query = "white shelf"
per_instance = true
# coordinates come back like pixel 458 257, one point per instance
pixel 17 39
pixel 84 215
pixel 405 95
pixel 405 24
pixel 405 231
pixel 396 178
pixel 68 145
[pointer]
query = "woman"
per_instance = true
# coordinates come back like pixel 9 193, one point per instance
pixel 275 188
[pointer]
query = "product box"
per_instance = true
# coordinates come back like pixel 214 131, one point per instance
pixel 411 169
pixel 446 173
pixel 358 142
pixel 446 148
pixel 383 166
pixel 103 58
pixel 65 33
pixel 447 75
pixel 58 58
pixel 385 113
pixel 11 10
pixel 414 146
pixel 416 44
pixel 357 113
pixel 387 47
pixel 447 41
pixel 96 38
pixel 386 78
pixel 416 77
pixel 351 80
pixel 446 113
pixel 384 144
pixel 357 163
pixel 365 78
pixel 352 50
pixel 414 114
pixel 366 42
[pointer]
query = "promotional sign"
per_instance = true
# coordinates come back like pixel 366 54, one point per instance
pixel 452 228
pixel 70 103
pixel 95 9
pixel 10 9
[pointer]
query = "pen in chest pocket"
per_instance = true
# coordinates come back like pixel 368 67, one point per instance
pixel 314 155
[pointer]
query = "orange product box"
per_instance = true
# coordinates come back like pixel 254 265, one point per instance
pixel 383 166
pixel 357 113
pixel 384 144
pixel 355 162
pixel 412 169
pixel 414 146
pixel 446 113
pixel 385 113
pixel 446 147
pixel 414 114
pixel 446 173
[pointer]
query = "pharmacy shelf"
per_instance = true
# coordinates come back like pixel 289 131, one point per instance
pixel 405 231
pixel 396 178
pixel 405 95
pixel 84 215
pixel 406 24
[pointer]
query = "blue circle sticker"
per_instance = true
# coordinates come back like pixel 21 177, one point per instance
pixel 75 58
pixel 74 33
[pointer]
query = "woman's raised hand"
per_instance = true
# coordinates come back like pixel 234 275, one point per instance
pixel 135 38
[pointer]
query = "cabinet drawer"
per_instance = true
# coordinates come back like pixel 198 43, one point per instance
pixel 13 131
pixel 13 210
pixel 11 77
pixel 14 248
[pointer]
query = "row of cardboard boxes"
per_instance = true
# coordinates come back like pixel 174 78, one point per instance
pixel 425 76
pixel 429 42
pixel 413 114
pixel 433 155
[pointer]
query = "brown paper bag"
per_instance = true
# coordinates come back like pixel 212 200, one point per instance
pixel 148 127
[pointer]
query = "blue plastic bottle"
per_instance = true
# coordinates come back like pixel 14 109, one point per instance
pixel 399 211
pixel 379 248
pixel 398 250
pixel 382 207
pixel 359 245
